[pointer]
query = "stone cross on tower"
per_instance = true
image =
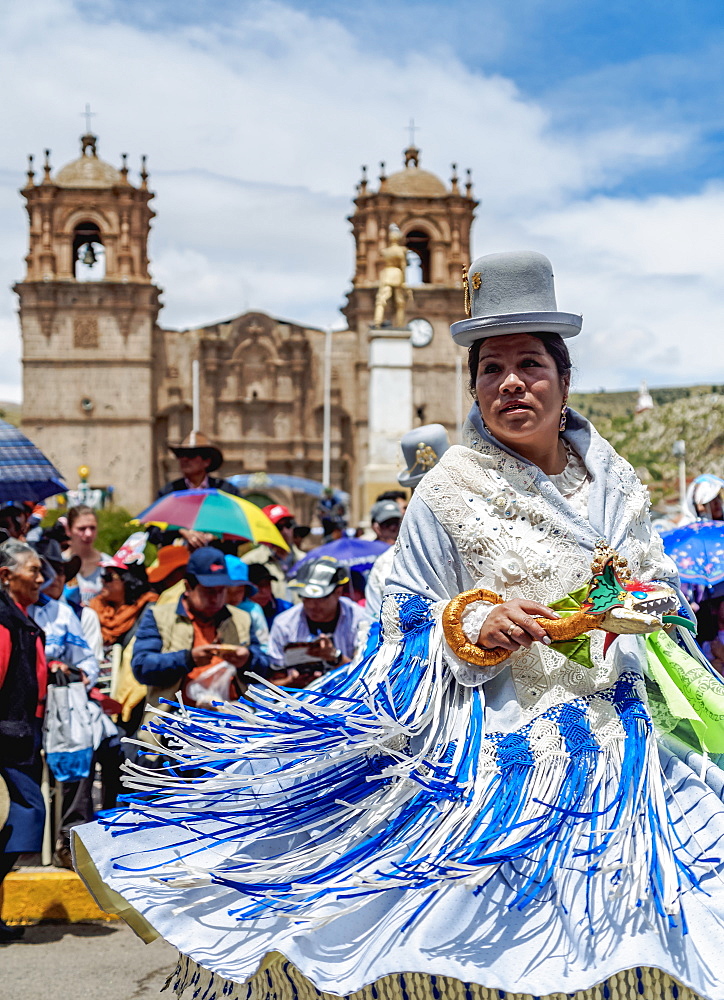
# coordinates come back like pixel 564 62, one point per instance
pixel 88 141
pixel 88 114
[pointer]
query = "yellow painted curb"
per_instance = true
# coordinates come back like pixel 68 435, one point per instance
pixel 33 894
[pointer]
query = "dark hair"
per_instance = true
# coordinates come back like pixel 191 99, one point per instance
pixel 11 518
pixel 58 532
pixel 258 573
pixel 706 618
pixel 392 495
pixel 553 342
pixel 135 582
pixel 191 580
pixel 75 512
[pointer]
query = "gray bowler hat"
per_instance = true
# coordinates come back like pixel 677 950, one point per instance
pixel 422 449
pixel 513 293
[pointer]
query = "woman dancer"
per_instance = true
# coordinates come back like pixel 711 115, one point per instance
pixel 479 808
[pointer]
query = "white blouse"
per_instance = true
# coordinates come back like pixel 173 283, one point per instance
pixel 574 484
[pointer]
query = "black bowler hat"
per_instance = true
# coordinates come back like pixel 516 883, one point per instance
pixel 50 550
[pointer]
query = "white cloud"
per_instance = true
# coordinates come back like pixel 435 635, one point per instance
pixel 649 277
pixel 255 130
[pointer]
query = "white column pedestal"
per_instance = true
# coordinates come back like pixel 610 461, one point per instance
pixel 390 409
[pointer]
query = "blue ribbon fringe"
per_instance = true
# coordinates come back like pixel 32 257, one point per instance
pixel 337 769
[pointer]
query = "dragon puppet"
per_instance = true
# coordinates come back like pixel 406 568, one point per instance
pixel 612 602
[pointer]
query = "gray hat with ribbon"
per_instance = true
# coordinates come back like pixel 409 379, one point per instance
pixel 319 577
pixel 422 449
pixel 512 293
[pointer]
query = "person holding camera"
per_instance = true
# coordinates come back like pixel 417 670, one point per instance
pixel 320 633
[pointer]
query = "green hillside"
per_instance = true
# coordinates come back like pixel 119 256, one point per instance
pixel 10 412
pixel 693 413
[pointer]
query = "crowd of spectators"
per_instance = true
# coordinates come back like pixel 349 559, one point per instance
pixel 200 623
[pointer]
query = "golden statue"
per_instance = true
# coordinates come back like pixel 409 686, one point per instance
pixel 392 281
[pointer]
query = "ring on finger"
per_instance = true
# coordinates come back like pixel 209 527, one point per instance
pixel 509 631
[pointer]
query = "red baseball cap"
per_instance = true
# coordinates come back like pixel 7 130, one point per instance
pixel 277 512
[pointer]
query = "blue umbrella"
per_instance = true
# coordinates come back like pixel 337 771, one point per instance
pixel 265 480
pixel 25 472
pixel 698 551
pixel 356 553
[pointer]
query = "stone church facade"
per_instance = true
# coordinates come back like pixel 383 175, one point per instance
pixel 106 386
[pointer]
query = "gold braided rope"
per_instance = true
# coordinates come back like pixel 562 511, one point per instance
pixel 559 629
pixel 278 979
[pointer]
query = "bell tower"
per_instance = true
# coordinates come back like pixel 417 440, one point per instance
pixel 435 222
pixel 88 311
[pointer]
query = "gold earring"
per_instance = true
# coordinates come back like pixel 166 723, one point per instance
pixel 564 417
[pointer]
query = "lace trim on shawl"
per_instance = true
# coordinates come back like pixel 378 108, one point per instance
pixel 513 542
pixel 638 541
pixel 574 483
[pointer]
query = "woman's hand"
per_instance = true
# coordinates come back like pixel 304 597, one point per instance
pixel 512 624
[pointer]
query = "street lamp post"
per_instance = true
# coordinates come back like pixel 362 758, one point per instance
pixel 679 451
pixel 195 395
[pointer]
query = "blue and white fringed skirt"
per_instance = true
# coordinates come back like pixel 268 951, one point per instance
pixel 372 828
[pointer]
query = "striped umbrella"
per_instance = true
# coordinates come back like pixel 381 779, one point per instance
pixel 213 511
pixel 25 472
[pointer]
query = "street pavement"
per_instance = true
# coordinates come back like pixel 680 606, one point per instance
pixel 88 961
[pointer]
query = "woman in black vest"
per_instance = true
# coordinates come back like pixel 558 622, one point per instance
pixel 23 687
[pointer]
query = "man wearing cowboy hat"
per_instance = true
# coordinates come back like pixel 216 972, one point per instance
pixel 422 449
pixel 197 458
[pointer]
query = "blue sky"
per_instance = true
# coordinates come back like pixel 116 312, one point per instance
pixel 595 133
pixel 591 59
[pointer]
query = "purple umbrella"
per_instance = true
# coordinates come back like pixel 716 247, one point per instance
pixel 356 553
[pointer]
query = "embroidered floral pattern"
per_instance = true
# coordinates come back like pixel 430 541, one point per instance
pixel 511 568
pixel 516 543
